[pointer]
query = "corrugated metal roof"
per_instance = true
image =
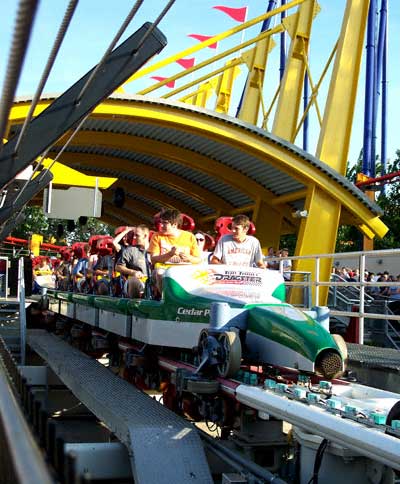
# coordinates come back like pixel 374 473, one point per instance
pixel 191 202
pixel 257 169
pixel 276 181
pixel 226 192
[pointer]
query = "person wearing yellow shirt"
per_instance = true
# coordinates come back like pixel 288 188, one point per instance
pixel 171 245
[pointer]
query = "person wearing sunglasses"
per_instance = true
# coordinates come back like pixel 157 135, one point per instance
pixel 200 239
pixel 201 242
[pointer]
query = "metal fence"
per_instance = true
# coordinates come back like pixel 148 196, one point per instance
pixel 349 298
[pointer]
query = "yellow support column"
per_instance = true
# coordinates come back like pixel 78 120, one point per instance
pixel 256 60
pixel 268 222
pixel 224 88
pixel 287 112
pixel 288 107
pixel 202 95
pixel 318 231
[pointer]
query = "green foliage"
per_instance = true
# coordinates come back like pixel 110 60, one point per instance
pixel 37 223
pixel 288 241
pixel 349 238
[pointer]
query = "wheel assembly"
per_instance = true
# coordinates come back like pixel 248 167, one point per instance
pixel 220 353
pixel 230 354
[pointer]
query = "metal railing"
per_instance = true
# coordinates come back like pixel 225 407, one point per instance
pixel 20 458
pixel 22 309
pixel 4 266
pixel 357 289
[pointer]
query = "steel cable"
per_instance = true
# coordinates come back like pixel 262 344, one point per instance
pixel 67 18
pixel 110 48
pixel 122 29
pixel 50 62
pixel 154 24
pixel 23 26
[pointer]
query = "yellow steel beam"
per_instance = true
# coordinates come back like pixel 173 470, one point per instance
pixel 334 139
pixel 268 222
pixel 333 145
pixel 256 61
pixel 224 88
pixel 178 155
pixel 287 111
pixel 239 60
pixel 249 142
pixel 201 95
pixel 191 50
pixel 64 175
pixel 289 197
pixel 277 155
pixel 210 75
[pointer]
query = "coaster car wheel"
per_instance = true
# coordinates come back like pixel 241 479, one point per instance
pixel 230 354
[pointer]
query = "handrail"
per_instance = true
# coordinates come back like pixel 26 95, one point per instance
pixel 22 311
pixel 315 283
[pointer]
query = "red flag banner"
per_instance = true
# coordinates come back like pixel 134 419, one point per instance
pixel 160 79
pixel 202 38
pixel 238 14
pixel 186 63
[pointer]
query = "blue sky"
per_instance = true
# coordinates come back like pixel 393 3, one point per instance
pixel 96 21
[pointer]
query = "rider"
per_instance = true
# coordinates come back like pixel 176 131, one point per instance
pixel 133 263
pixel 238 248
pixel 171 245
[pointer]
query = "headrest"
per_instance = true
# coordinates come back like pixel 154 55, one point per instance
pixel 223 226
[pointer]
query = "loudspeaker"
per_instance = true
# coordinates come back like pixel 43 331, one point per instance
pixel 119 197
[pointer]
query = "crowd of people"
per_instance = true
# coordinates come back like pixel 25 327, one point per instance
pixel 126 263
pixel 381 291
pixel 135 259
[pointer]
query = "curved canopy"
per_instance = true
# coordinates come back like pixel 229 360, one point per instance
pixel 205 164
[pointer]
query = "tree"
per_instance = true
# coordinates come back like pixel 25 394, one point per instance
pixel 37 223
pixel 349 238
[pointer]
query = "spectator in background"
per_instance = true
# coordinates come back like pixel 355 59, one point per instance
pixel 286 265
pixel 274 265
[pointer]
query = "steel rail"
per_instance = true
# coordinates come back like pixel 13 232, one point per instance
pixel 241 464
pixel 369 442
pixel 25 458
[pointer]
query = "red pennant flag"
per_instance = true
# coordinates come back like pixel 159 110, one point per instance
pixel 159 79
pixel 186 63
pixel 202 38
pixel 238 14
